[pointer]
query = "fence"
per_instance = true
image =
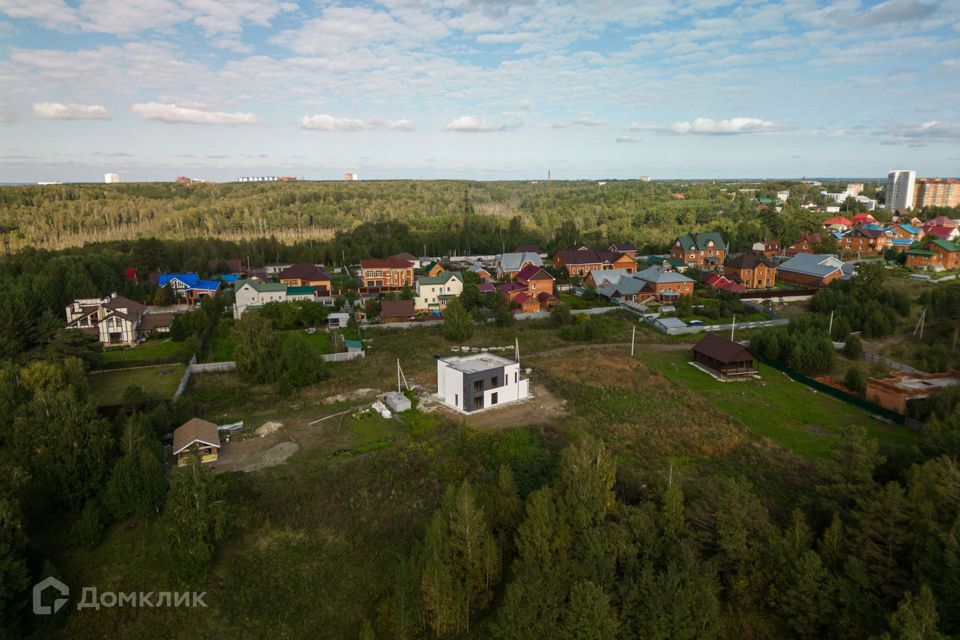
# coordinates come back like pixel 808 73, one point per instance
pixel 540 315
pixel 836 393
pixel 773 294
pixel 343 356
pixel 676 331
pixel 893 364
pixel 186 377
pixel 214 367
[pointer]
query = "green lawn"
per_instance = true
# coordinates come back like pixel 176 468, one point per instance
pixel 776 407
pixel 149 350
pixel 574 302
pixel 221 348
pixel 107 387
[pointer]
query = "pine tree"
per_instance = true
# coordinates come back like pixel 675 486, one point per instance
pixel 589 614
pixel 457 324
pixel 14 574
pixel 915 618
pixel 138 483
pixel 880 540
pixel 848 474
pixel 194 518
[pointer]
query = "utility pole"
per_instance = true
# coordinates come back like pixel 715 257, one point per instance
pixel 919 327
pixel 733 327
pixel 633 339
pixel 830 328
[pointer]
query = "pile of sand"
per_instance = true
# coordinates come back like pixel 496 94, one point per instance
pixel 268 428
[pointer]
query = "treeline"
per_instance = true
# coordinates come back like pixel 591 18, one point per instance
pixel 61 461
pixel 450 216
pixel 866 557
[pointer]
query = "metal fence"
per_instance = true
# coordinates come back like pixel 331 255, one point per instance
pixel 186 377
pixel 343 356
pixel 214 367
pixel 676 331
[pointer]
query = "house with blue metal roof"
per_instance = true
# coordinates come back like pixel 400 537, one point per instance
pixel 189 286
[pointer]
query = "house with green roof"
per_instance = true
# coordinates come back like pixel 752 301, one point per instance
pixel 935 254
pixel 704 250
pixel 433 293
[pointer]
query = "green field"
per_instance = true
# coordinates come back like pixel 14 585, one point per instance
pixel 788 412
pixel 148 350
pixel 107 387
pixel 221 348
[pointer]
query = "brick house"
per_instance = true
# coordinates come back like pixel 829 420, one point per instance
pixel 811 269
pixel 580 261
pixel 751 271
pixel 934 253
pixel 527 303
pixel 766 248
pixel 864 239
pixel 805 244
pixel 536 280
pixel 899 387
pixel 665 285
pixel 626 248
pixel 386 273
pixel 305 274
pixel 703 250
pixel 509 264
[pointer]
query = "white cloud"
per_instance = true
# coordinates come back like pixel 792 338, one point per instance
pixel 472 124
pixel 173 114
pixel 928 131
pixel 324 122
pixel 588 121
pixel 505 38
pixel 628 140
pixel 70 111
pixel 709 126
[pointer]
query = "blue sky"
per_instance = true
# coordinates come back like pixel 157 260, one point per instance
pixel 481 89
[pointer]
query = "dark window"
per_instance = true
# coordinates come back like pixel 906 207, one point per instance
pixel 478 386
pixel 494 381
pixel 493 398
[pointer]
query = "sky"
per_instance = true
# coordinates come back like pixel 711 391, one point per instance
pixel 477 89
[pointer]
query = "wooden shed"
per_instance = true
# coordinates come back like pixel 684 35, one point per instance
pixel 199 433
pixel 725 357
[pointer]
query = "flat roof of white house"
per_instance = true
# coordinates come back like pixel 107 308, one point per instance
pixel 478 362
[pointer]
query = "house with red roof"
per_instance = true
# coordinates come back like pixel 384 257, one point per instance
pixel 941 232
pixel 863 218
pixel 837 222
pixel 526 303
pixel 721 282
pixel 535 279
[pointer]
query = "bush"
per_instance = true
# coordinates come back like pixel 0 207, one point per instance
pixel 457 324
pixel 853 348
pixel 89 528
pixel 855 380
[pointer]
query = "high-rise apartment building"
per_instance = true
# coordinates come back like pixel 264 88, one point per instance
pixel 111 178
pixel 937 192
pixel 900 187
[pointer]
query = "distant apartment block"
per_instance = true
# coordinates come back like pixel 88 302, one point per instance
pixel 937 192
pixel 111 178
pixel 900 187
pixel 351 176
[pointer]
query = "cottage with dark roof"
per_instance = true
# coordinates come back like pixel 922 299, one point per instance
pixel 626 248
pixel 811 269
pixel 196 435
pixel 703 250
pixel 751 270
pixel 665 285
pixel 724 357
pixel 397 311
pixel 305 274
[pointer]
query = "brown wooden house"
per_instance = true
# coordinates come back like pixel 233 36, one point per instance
pixel 196 435
pixel 397 311
pixel 725 357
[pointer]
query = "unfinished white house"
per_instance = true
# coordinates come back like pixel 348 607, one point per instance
pixel 114 320
pixel 479 381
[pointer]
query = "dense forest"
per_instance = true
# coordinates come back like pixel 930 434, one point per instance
pixel 446 216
